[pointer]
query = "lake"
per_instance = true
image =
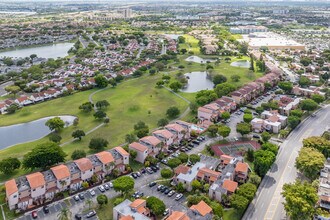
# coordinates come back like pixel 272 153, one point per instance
pixel 26 132
pixel 197 81
pixel 241 63
pixel 198 59
pixel 47 51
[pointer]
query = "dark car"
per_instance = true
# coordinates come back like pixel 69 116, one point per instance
pixel 81 196
pixel 46 209
pixel 196 142
pixel 78 216
pixel 152 184
pixel 154 168
pixel 143 170
pixel 134 175
pixel 167 191
pixel 163 189
pixel 183 149
pixel 256 136
pixel 191 145
pixel 91 214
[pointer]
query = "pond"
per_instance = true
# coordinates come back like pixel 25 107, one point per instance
pixel 173 36
pixel 197 81
pixel 26 132
pixel 47 51
pixel 241 63
pixel 198 59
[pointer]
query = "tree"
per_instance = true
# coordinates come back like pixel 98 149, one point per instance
pixel 296 112
pixel 54 137
pixel 251 63
pixel 284 133
pixel 247 117
pixel 156 205
pixel 239 203
pixel 308 105
pixel 123 184
pixel 259 109
pixel 293 121
pixel 304 81
pixel 8 165
pixel 173 112
pixel 86 107
pixel 319 143
pixel 160 83
pixel 183 157
pixel 133 154
pixel 100 114
pixel 77 154
pixel 55 123
pixel 224 131
pixel 65 214
pixel 224 89
pixel 101 81
pixel 196 185
pixel 305 61
pixel 213 130
pixel 43 156
pixel 174 162
pixel 286 86
pixel 141 129
pixel 265 136
pixel 204 97
pixel 162 122
pixel 175 86
pixel 137 73
pixel 194 158
pixel 310 161
pixel 180 188
pixel 78 134
pixel 300 200
pixel 270 147
pixel 181 40
pixel 250 155
pixel 12 108
pixel 98 144
pixel 243 128
pixel 247 190
pixel 166 173
pixel 218 79
pixel 263 160
pixel 235 78
pixel 102 199
pixel 254 179
pixel 318 98
pixel 103 104
pixel 225 115
pixel 129 138
pixel 12 89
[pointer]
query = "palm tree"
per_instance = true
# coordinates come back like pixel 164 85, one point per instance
pixel 65 214
pixel 89 203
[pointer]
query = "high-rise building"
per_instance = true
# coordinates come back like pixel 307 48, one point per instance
pixel 127 13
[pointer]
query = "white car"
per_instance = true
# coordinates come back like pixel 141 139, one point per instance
pixel 178 197
pixel 101 188
pixel 110 184
pixel 92 192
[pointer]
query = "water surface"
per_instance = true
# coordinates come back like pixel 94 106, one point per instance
pixel 197 81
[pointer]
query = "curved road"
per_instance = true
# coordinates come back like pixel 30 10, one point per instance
pixel 268 201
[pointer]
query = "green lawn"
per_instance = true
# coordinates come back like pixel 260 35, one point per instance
pixel 231 214
pixel 191 44
pixel 130 101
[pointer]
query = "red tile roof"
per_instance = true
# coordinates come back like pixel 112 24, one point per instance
pixel 230 185
pixel 36 180
pixel 105 157
pixel 11 187
pixel 138 146
pixel 61 172
pixel 84 164
pixel 202 208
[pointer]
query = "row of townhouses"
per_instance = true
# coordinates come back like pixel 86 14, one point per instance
pixel 37 188
pixel 161 140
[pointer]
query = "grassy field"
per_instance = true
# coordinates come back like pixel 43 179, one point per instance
pixel 191 44
pixel 130 102
pixel 231 214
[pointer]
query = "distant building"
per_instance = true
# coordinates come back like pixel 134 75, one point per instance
pixel 247 29
pixel 127 13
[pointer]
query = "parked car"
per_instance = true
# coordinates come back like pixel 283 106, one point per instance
pixel 163 189
pixel 134 175
pixel 159 187
pixel 78 216
pixel 178 197
pixel 256 136
pixel 164 161
pixel 152 184
pixel 106 186
pixel 191 145
pixel 167 191
pixel 45 209
pixel 143 170
pixel 166 212
pixel 138 174
pixel 101 188
pixel 154 168
pixel 81 196
pixel 34 214
pixel 196 142
pixel 91 214
pixel 92 192
pixel 76 198
pixel 149 170
pixel 171 193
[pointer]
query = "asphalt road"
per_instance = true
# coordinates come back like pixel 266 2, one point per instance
pixel 2 87
pixel 268 201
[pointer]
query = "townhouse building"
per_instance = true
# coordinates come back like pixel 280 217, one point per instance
pixel 270 121
pixel 128 210
pixel 37 188
pixel 177 215
pixel 187 178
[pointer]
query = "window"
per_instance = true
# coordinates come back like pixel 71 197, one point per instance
pixel 15 196
pixel 34 190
